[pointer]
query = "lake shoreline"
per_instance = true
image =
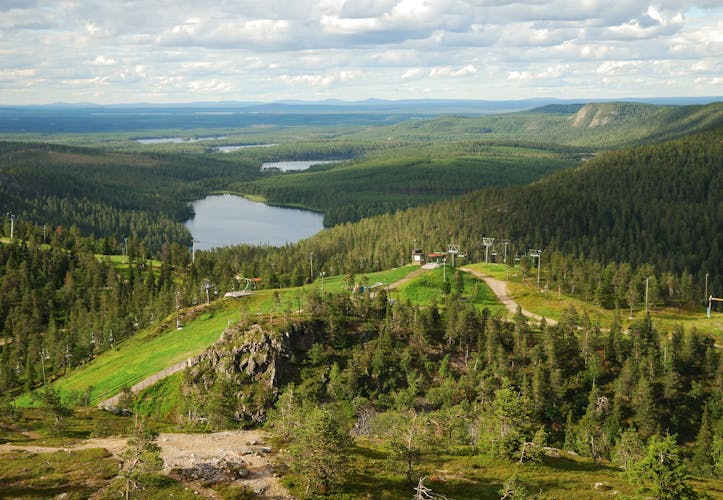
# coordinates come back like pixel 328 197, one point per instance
pixel 257 198
pixel 226 218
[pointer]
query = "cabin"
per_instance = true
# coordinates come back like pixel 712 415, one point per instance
pixel 417 256
pixel 437 257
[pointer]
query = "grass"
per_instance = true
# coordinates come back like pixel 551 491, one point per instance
pixel 339 283
pixel 161 400
pixel 155 487
pixel 551 305
pixel 48 475
pixel 144 354
pixel 428 286
pixel 468 475
pixel 37 426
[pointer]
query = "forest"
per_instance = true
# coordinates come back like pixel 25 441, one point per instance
pixel 405 390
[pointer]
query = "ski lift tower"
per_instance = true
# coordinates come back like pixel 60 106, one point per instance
pixel 537 253
pixel 12 224
pixel 710 302
pixel 207 285
pixel 193 251
pixel 487 243
pixel 453 250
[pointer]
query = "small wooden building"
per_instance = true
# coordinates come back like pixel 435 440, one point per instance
pixel 417 256
pixel 437 257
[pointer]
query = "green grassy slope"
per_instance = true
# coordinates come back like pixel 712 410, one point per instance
pixel 160 347
pixel 145 354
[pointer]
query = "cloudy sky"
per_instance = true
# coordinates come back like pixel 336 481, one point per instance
pixel 116 51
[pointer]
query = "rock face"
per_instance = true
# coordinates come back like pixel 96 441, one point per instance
pixel 256 361
pixel 218 471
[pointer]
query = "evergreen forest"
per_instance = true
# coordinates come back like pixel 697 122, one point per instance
pixel 607 220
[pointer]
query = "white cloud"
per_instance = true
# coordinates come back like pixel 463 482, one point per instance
pixel 320 80
pixel 348 26
pixel 357 48
pixel 616 67
pixel 519 75
pixel 449 71
pixel 412 73
pixel 104 61
pixel 93 30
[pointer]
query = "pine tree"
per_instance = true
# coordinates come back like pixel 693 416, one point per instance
pixel 319 451
pixel 628 449
pixel 662 472
pixel 141 458
pixel 702 453
pixel 643 406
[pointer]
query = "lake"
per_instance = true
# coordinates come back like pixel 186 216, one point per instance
pixel 223 220
pixel 235 147
pixel 178 140
pixel 286 166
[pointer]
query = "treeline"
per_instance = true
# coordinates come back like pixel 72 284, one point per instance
pixel 351 192
pixel 62 304
pixel 649 212
pixel 452 376
pixel 113 195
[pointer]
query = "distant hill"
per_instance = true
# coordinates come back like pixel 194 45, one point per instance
pixel 88 117
pixel 657 204
pixel 591 125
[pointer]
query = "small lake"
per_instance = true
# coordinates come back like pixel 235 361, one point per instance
pixel 178 140
pixel 236 147
pixel 286 166
pixel 224 220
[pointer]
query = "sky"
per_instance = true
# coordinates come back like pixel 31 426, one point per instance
pixel 163 51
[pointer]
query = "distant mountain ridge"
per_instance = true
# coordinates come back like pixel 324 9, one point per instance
pixel 593 126
pixel 89 117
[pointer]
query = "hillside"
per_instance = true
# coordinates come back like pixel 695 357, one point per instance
pixel 594 126
pixel 397 377
pixel 417 162
pixel 388 165
pixel 111 195
pixel 655 205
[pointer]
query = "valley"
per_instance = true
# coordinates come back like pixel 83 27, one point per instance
pixel 555 342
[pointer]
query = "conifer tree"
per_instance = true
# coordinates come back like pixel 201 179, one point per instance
pixel 702 452
pixel 319 451
pixel 662 472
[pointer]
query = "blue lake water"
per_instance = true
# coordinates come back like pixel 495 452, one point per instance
pixel 178 140
pixel 286 166
pixel 223 220
pixel 235 147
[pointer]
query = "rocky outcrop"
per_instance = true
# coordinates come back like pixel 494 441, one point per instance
pixel 216 471
pixel 256 361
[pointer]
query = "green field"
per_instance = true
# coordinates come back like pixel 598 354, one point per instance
pixel 468 475
pixel 157 348
pixel 551 305
pixel 428 287
pixel 144 354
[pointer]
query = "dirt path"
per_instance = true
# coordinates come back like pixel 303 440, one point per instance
pixel 149 381
pixel 499 288
pixel 409 277
pixel 185 451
